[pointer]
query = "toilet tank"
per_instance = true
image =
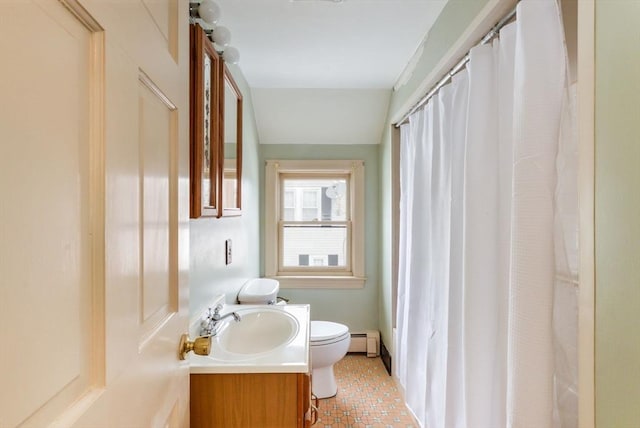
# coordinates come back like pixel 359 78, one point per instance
pixel 259 291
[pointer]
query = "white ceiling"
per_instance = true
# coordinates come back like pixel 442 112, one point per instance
pixel 326 44
pixel 320 116
pixel 321 71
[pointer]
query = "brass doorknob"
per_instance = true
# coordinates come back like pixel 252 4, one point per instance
pixel 201 346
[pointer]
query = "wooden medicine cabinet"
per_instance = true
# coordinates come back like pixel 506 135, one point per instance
pixel 231 147
pixel 204 125
pixel 215 132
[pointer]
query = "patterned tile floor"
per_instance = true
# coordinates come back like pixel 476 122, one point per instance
pixel 367 397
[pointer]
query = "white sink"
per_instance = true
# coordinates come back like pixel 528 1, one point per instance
pixel 269 339
pixel 260 330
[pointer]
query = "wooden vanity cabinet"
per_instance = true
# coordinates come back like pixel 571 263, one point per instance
pixel 249 400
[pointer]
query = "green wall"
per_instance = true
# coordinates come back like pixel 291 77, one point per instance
pixel 452 22
pixel 356 308
pixel 617 213
pixel 208 275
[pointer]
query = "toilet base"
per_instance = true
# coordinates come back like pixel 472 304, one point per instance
pixel 324 382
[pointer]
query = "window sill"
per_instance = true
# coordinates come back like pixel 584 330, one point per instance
pixel 291 281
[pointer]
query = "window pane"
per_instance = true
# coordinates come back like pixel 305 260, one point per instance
pixel 310 198
pixel 288 214
pixel 314 245
pixel 323 199
pixel 289 199
pixel 310 214
pixel 289 205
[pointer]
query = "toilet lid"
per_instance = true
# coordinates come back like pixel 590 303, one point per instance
pixel 323 330
pixel 259 291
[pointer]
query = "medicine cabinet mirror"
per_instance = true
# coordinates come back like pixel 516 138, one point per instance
pixel 204 126
pixel 231 150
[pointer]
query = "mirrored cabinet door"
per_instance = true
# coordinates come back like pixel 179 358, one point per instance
pixel 230 174
pixel 204 82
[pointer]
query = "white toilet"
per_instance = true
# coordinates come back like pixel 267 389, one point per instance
pixel 329 344
pixel 329 341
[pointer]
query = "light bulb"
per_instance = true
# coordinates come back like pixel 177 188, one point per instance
pixel 209 11
pixel 231 55
pixel 221 36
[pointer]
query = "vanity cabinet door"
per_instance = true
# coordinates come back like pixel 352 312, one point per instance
pixel 247 400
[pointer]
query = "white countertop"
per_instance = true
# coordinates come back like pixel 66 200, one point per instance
pixel 292 357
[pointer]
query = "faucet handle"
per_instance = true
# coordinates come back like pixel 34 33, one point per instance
pixel 213 311
pixel 216 312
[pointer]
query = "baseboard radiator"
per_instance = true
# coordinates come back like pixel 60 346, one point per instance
pixel 366 342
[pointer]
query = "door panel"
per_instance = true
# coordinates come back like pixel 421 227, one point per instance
pixel 157 137
pixel 45 258
pixel 93 212
pixel 165 14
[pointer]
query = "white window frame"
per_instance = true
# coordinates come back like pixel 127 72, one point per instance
pixel 353 275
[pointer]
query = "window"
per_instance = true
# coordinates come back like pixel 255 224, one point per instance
pixel 314 223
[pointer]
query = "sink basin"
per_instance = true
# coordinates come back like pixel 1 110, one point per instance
pixel 261 330
pixel 269 339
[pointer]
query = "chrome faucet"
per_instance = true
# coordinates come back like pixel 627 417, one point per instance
pixel 211 324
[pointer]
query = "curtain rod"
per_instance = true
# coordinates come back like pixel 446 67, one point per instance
pixel 456 68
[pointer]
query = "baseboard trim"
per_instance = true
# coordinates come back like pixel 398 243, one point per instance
pixel 365 342
pixel 385 356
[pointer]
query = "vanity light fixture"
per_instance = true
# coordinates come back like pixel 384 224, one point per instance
pixel 208 12
pixel 221 36
pixel 231 55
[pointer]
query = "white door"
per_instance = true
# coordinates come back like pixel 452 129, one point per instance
pixel 93 212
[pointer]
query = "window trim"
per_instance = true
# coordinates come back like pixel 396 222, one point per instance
pixel 353 278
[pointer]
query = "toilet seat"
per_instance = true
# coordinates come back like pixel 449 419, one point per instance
pixel 327 332
pixel 315 343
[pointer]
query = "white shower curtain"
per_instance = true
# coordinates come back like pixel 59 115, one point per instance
pixel 478 246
